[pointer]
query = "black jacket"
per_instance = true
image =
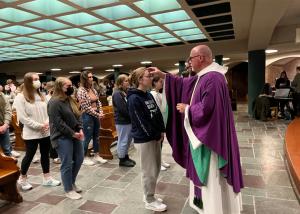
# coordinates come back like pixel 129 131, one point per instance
pixel 62 120
pixel 146 118
pixel 121 113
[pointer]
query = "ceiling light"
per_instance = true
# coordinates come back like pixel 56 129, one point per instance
pixel 271 51
pixel 146 62
pixel 74 72
pixel 55 69
pixel 117 65
pixel 88 67
pixel 176 64
pixel 110 69
pixel 39 73
pixel 226 58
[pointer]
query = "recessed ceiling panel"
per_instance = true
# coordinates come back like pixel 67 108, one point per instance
pixel 181 25
pixel 134 39
pixel 92 3
pixel 117 12
pixel 19 29
pixel 48 36
pixel 120 34
pixel 135 22
pixel 15 15
pixel 188 32
pixel 80 19
pixel 73 32
pixel 152 6
pixel 24 39
pixel 159 36
pixel 145 43
pixel 70 41
pixel 175 16
pixel 194 37
pixel 48 24
pixel 49 7
pixel 110 42
pixel 93 38
pixel 149 30
pixel 102 28
pixel 169 40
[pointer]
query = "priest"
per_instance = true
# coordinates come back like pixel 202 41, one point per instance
pixel 200 129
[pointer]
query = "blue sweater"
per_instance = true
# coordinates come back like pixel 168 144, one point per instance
pixel 146 118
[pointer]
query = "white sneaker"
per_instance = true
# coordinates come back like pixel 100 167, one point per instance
pixel 165 164
pixel 162 168
pixel 51 182
pixel 99 159
pixel 56 160
pixel 24 184
pixel 15 154
pixel 88 162
pixel 35 159
pixel 157 199
pixel 76 188
pixel 156 206
pixel 73 195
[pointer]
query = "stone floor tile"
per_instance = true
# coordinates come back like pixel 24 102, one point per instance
pixel 98 207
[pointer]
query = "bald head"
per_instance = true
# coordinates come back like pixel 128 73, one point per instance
pixel 203 50
pixel 200 57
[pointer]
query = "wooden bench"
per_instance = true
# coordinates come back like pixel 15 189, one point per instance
pixel 292 153
pixel 108 133
pixel 9 174
pixel 19 142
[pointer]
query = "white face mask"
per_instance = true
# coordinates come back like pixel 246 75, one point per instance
pixel 36 84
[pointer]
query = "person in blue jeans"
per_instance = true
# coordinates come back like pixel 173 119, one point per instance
pixel 66 134
pixel 122 120
pixel 91 108
pixel 5 118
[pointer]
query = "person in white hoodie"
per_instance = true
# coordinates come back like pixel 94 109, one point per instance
pixel 157 84
pixel 31 108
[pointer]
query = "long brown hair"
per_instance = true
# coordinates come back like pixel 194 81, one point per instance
pixel 84 79
pixel 29 90
pixel 121 78
pixel 136 75
pixel 58 93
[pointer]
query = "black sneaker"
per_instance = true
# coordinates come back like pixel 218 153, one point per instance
pixel 126 163
pixel 127 158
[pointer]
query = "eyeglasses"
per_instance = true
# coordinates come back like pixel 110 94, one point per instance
pixel 192 57
pixel 90 77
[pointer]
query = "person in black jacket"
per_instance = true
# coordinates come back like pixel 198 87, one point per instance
pixel 122 120
pixel 147 131
pixel 66 134
pixel 282 82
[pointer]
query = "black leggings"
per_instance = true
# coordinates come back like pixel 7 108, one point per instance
pixel 31 147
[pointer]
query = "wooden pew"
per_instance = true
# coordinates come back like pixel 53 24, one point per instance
pixel 108 133
pixel 9 174
pixel 292 154
pixel 19 142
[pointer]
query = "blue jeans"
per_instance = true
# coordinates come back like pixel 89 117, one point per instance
pixel 5 143
pixel 70 152
pixel 124 139
pixel 91 126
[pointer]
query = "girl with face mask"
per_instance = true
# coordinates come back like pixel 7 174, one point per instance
pixel 31 108
pixel 66 134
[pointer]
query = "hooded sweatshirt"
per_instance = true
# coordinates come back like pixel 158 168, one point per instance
pixel 146 118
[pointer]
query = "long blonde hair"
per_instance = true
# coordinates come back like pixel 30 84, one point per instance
pixel 58 93
pixel 29 90
pixel 136 75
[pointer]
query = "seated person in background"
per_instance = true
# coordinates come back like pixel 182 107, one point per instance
pixel 282 82
pixel 262 104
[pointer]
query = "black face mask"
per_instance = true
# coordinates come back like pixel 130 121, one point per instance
pixel 69 91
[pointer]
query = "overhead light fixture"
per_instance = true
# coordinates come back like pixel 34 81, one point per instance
pixel 117 65
pixel 88 67
pixel 74 72
pixel 146 62
pixel 271 51
pixel 176 64
pixel 55 69
pixel 110 69
pixel 226 58
pixel 39 73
